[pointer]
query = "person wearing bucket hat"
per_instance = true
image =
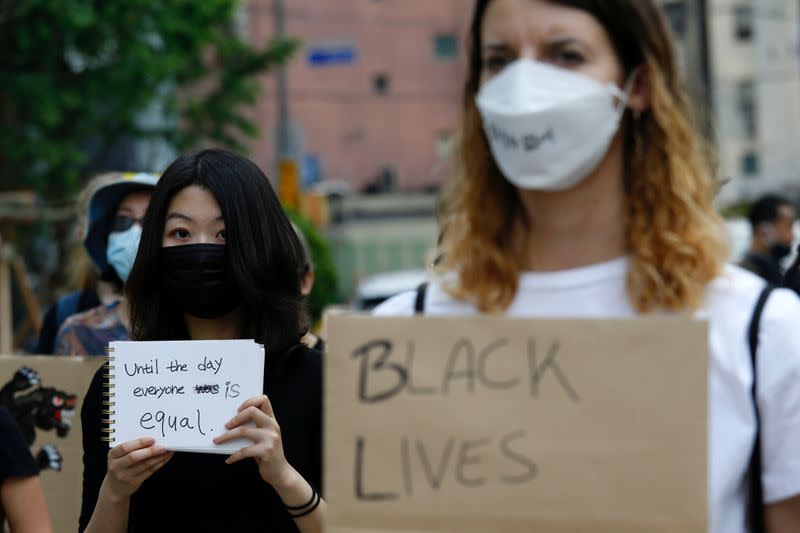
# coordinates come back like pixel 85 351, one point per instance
pixel 114 222
pixel 93 290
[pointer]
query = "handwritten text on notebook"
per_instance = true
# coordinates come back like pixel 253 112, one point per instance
pixel 182 392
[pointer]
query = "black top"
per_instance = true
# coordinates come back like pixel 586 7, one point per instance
pixel 199 492
pixel 319 345
pixel 16 460
pixel 791 280
pixel 764 266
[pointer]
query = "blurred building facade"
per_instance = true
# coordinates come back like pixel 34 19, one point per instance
pixel 373 93
pixel 742 63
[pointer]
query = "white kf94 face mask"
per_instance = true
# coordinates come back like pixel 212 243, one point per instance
pixel 548 128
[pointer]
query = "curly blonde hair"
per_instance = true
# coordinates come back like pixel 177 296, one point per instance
pixel 674 236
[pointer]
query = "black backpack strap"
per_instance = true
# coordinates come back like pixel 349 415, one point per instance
pixel 791 279
pixel 755 511
pixel 419 302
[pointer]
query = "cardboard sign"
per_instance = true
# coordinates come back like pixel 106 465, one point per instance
pixel 71 375
pixel 514 425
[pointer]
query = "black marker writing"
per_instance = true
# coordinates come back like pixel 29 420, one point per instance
pixel 529 142
pixel 386 370
pixel 210 365
pixel 231 390
pixel 382 349
pixel 151 367
pixel 158 392
pixel 361 494
pixel 435 479
pixel 516 457
pixel 166 422
pixel 175 366
pixel 422 466
pixel 538 370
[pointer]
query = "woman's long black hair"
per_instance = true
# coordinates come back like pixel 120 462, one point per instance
pixel 264 253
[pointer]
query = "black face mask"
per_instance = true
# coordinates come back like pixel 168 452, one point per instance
pixel 196 278
pixel 779 250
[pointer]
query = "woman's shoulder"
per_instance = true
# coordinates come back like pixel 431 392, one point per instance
pixel 303 361
pixel 308 356
pixel 737 290
pixel 432 298
pixel 730 304
pixel 398 305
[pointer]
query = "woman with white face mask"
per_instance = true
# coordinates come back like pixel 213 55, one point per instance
pixel 583 190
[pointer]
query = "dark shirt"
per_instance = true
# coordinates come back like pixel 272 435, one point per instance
pixel 319 345
pixel 199 492
pixel 72 303
pixel 16 460
pixel 791 280
pixel 764 266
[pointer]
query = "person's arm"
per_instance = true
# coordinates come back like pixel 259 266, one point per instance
pixel 779 395
pixel 23 501
pixel 784 516
pixel 129 465
pixel 111 477
pixel 95 449
pixel 21 495
pixel 267 450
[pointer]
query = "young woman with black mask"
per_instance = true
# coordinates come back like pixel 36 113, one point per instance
pixel 218 259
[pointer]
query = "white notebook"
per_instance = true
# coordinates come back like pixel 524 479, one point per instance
pixel 181 392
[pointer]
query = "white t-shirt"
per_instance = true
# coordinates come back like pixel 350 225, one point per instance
pixel 599 291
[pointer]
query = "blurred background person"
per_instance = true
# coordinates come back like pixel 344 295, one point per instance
pixel 116 210
pixel 22 502
pixel 772 218
pixel 95 290
pixel 307 278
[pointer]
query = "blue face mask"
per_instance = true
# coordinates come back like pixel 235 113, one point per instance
pixel 121 250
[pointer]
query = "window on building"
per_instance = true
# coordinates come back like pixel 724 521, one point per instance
pixel 381 83
pixel 676 14
pixel 445 46
pixel 743 23
pixel 750 164
pixel 384 180
pixel 746 103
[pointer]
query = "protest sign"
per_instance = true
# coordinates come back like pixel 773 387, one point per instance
pixel 499 424
pixel 182 393
pixel 39 384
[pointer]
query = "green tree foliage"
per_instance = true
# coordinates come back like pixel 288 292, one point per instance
pixel 738 210
pixel 75 73
pixel 325 289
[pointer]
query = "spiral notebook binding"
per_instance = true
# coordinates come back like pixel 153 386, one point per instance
pixel 108 413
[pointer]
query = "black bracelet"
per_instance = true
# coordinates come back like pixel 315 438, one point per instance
pixel 310 507
pixel 301 507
